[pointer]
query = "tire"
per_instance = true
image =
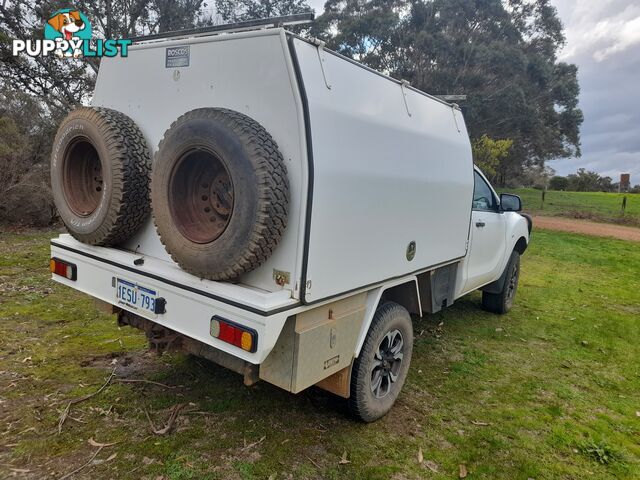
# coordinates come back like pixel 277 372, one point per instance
pixel 502 302
pixel 219 193
pixel 100 172
pixel 368 403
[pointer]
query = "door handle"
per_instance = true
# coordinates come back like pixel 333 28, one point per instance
pixel 480 223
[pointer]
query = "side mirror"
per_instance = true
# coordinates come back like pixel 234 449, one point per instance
pixel 510 203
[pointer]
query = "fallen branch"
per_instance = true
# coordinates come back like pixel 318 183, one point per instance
pixel 70 474
pixel 251 445
pixel 65 412
pixel 479 423
pixel 136 380
pixel 93 443
pixel 311 460
pixel 172 419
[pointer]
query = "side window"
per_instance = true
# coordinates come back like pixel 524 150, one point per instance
pixel 483 198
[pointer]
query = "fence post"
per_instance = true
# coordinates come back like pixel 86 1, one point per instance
pixel 624 204
pixel 544 192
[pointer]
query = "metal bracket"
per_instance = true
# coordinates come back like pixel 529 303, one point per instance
pixel 404 84
pixel 321 58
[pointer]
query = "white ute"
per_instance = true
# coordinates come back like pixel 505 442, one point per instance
pixel 258 200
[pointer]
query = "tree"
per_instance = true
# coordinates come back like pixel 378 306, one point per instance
pixel 232 11
pixel 61 84
pixel 584 181
pixel 536 176
pixel 558 183
pixel 489 153
pixel 37 92
pixel 503 55
pixel 364 30
pixel 606 184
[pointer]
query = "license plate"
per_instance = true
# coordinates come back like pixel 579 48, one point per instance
pixel 135 296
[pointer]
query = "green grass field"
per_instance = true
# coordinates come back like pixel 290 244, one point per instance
pixel 597 206
pixel 549 391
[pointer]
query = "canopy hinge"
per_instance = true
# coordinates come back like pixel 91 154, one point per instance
pixel 455 107
pixel 321 58
pixel 404 85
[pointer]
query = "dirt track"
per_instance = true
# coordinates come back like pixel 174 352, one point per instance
pixel 587 228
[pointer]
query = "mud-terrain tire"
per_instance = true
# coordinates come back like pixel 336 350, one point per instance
pixel 502 301
pixel 385 355
pixel 219 193
pixel 100 173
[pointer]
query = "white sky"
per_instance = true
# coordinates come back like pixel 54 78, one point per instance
pixel 603 39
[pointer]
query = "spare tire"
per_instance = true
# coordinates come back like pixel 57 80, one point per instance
pixel 219 193
pixel 100 169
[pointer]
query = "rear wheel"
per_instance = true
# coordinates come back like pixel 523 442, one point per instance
pixel 502 301
pixel 381 368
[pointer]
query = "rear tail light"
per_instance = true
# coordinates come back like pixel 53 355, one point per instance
pixel 234 334
pixel 62 268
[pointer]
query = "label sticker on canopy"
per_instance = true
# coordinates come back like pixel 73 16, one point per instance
pixel 177 57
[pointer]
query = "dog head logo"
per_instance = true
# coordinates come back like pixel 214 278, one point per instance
pixel 69 25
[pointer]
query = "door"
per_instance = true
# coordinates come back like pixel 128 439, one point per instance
pixel 488 232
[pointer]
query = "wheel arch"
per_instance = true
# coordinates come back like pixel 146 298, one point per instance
pixel 521 245
pixel 497 285
pixel 405 292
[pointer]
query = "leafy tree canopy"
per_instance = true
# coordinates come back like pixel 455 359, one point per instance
pixel 240 10
pixel 488 153
pixel 502 54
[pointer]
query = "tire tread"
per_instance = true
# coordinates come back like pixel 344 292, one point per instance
pixel 131 163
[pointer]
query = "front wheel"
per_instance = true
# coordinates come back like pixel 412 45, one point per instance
pixel 381 368
pixel 502 301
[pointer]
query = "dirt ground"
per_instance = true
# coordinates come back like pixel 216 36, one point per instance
pixel 588 228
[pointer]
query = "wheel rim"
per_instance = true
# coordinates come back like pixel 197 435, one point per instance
pixel 513 284
pixel 82 181
pixel 387 362
pixel 200 196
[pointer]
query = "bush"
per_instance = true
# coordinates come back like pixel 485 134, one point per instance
pixel 26 134
pixel 558 183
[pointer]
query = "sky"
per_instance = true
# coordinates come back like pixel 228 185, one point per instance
pixel 603 39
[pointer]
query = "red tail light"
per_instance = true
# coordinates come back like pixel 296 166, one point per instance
pixel 62 268
pixel 234 334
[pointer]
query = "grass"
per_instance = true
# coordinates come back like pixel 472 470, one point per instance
pixel 550 390
pixel 597 206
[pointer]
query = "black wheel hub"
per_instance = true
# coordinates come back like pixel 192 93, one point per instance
pixel 387 362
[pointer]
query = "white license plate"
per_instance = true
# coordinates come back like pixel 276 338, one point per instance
pixel 135 296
